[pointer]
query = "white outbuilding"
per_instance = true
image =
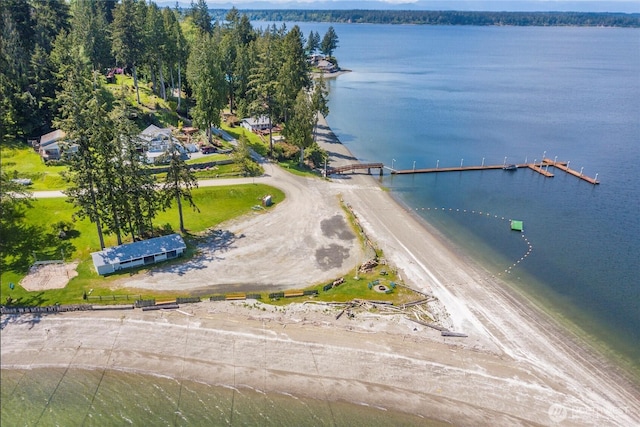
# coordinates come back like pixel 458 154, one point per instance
pixel 256 124
pixel 145 252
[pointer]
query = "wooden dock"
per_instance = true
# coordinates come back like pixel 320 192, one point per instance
pixel 354 167
pixel 453 169
pixel 564 166
pixel 538 168
pixel 542 168
pixel 533 166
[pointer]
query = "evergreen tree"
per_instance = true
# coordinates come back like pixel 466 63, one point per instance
pixel 206 78
pixel 176 52
pixel 14 65
pixel 141 201
pixel 242 157
pixel 229 52
pixel 156 44
pixel 81 111
pixel 127 37
pixel 42 88
pixel 91 31
pixel 200 15
pixel 179 181
pixel 293 74
pixel 242 76
pixel 329 42
pixel 263 84
pixel 299 128
pixel 313 43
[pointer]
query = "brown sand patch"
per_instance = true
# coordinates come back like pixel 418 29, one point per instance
pixel 49 276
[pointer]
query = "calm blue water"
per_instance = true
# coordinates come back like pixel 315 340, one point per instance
pixel 448 95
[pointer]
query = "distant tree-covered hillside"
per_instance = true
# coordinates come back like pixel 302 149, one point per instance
pixel 425 17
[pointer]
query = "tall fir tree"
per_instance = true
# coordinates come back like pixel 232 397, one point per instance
pixel 81 107
pixel 179 181
pixel 206 78
pixel 127 37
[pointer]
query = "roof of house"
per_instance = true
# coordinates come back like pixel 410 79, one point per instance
pixel 259 121
pixel 135 250
pixel 325 64
pixel 153 130
pixel 51 137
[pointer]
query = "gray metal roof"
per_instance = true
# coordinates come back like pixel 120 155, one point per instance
pixel 51 137
pixel 129 251
pixel 257 121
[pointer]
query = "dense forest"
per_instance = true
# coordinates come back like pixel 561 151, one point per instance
pixel 199 63
pixel 79 67
pixel 424 17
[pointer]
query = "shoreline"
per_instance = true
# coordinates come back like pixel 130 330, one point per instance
pixel 598 352
pixel 515 368
pixel 598 349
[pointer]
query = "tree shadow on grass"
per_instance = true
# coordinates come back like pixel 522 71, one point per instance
pixel 28 243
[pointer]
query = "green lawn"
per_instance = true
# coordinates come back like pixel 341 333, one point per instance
pixel 293 166
pixel 216 205
pixel 21 161
pixel 208 158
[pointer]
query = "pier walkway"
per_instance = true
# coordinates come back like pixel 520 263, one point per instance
pixel 356 166
pixel 541 168
pixel 564 166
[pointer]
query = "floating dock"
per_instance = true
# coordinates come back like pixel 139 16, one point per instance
pixel 517 225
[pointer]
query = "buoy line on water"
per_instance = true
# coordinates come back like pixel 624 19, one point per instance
pixel 489 215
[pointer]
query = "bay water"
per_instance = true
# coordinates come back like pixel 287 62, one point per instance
pixel 438 96
pixel 447 96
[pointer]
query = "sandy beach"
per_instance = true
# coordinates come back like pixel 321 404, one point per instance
pixel 516 367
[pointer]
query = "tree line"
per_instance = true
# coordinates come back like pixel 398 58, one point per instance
pixel 425 17
pixel 53 59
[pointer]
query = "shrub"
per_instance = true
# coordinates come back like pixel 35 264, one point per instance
pixel 316 156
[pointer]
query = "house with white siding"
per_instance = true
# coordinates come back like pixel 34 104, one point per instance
pixel 52 145
pixel 256 124
pixel 145 252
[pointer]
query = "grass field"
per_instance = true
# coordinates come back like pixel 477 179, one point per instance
pixel 20 161
pixel 216 205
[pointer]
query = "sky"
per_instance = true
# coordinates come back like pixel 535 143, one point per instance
pixel 631 6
